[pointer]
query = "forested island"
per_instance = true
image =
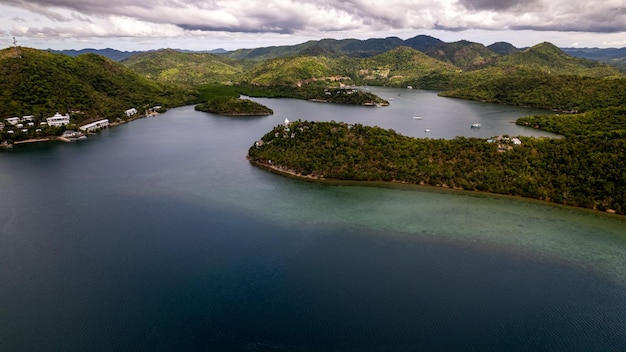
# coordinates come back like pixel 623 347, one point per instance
pixel 231 106
pixel 226 100
pixel 583 169
pixel 335 95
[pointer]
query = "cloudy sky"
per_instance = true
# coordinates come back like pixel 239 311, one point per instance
pixel 234 24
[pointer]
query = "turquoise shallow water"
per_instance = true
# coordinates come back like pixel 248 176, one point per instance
pixel 159 235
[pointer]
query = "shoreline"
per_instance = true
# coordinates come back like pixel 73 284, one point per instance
pixel 34 140
pixel 286 172
pixel 67 140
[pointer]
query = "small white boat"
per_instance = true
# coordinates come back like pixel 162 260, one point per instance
pixel 475 125
pixel 427 130
pixel 417 117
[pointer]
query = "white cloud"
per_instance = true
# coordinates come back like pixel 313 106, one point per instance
pixel 130 27
pixel 315 19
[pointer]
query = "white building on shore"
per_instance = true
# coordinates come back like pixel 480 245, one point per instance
pixel 58 120
pixel 90 127
pixel 13 120
pixel 130 112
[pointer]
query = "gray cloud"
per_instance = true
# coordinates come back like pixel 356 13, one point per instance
pixel 316 17
pixel 497 5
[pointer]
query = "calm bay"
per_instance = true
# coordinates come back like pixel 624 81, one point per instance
pixel 158 235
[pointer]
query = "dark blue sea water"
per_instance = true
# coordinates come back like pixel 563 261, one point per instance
pixel 158 235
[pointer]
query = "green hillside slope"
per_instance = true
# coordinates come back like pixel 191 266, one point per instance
pixel 463 54
pixel 546 57
pixel 185 68
pixel 542 77
pixel 401 67
pixel 398 67
pixel 41 84
pixel 559 93
pixel 295 71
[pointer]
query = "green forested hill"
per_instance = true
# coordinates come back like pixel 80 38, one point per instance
pixel 397 67
pixel 186 68
pixel 547 58
pixel 401 67
pixel 606 121
pixel 542 77
pixel 405 66
pixel 559 93
pixel 40 83
pixel 333 48
pixel 503 48
pixel 464 54
pixel 295 71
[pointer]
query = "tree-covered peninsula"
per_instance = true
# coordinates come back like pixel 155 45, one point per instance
pixel 584 170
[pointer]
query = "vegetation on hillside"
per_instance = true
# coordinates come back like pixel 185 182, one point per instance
pixel 547 58
pixel 402 67
pixel 463 54
pixel 580 170
pixel 560 93
pixel 294 71
pixel 41 84
pixel 601 121
pixel 88 86
pixel 333 48
pixel 189 69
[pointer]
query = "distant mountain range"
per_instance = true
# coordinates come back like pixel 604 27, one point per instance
pixel 464 54
pixel 117 55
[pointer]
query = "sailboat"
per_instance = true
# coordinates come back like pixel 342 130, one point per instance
pixel 416 116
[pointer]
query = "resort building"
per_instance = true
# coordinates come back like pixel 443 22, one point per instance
pixel 70 134
pixel 130 112
pixel 13 120
pixel 90 127
pixel 58 120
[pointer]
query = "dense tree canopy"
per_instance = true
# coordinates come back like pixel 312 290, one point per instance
pixel 580 170
pixel 231 106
